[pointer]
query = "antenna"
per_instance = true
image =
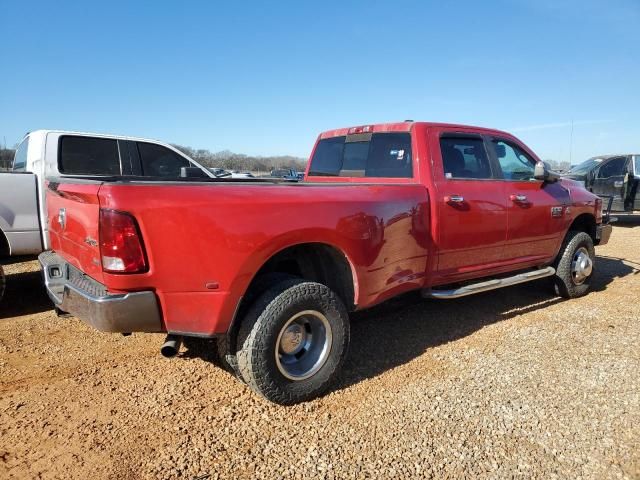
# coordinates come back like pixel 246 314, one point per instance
pixel 571 145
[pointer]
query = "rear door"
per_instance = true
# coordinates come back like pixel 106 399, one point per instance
pixel 471 207
pixel 536 210
pixel 610 180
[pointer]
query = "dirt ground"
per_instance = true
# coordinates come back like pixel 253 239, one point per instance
pixel 512 383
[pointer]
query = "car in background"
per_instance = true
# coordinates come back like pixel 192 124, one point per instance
pixel 220 172
pixel 286 173
pixel 615 176
pixel 584 170
pixel 237 174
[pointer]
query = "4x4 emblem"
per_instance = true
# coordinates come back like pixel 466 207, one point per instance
pixel 62 218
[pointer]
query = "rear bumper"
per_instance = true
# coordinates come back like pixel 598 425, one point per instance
pixel 603 232
pixel 78 294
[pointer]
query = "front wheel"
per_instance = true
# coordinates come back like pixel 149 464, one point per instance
pixel 293 341
pixel 574 265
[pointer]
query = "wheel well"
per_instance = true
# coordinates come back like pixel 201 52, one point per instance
pixel 316 262
pixel 585 223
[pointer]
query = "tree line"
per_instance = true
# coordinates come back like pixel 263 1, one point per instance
pixel 244 163
pixel 6 158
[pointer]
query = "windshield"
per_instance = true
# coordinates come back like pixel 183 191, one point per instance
pixel 636 160
pixel 585 166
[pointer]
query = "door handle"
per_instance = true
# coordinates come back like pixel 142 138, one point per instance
pixel 518 198
pixel 454 199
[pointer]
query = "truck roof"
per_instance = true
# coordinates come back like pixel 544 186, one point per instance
pixel 405 126
pixel 612 155
pixel 44 132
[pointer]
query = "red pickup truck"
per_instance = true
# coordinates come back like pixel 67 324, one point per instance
pixel 272 268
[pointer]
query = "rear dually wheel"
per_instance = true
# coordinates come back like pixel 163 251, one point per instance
pixel 293 341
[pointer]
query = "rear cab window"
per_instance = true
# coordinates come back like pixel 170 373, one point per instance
pixel 372 155
pixel 88 156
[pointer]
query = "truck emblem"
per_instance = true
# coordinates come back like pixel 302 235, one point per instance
pixel 556 211
pixel 91 242
pixel 62 218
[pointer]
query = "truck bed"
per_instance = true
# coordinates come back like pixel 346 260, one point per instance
pixel 214 232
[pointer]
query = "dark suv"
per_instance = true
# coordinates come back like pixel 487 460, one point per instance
pixel 616 176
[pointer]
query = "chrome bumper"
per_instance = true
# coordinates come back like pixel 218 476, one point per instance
pixel 603 232
pixel 80 295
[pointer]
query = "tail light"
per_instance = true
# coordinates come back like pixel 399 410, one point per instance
pixel 364 129
pixel 121 243
pixel 598 210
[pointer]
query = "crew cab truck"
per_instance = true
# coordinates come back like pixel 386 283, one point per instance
pixel 272 269
pixel 56 153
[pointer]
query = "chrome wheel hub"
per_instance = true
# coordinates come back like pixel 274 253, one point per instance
pixel 293 339
pixel 303 345
pixel 581 266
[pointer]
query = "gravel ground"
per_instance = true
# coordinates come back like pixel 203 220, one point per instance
pixel 514 383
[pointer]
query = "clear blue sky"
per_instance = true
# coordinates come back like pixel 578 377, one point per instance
pixel 267 77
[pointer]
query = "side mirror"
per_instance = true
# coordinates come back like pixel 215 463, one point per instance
pixel 544 173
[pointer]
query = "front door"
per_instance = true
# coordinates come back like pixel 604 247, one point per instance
pixel 632 184
pixel 471 210
pixel 610 181
pixel 536 210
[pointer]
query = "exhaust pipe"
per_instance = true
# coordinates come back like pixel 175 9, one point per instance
pixel 171 346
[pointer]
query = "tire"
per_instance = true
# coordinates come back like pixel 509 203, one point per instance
pixel 3 283
pixel 293 341
pixel 574 265
pixel 227 359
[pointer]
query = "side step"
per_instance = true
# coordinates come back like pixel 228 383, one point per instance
pixel 489 284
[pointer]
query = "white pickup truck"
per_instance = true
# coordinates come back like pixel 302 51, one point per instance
pixel 55 153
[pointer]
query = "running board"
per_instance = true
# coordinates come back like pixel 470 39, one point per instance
pixel 489 284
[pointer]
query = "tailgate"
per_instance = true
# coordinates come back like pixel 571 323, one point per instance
pixel 74 212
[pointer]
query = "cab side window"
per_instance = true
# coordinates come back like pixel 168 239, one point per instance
pixel 464 157
pixel 515 163
pixel 88 156
pixel 159 161
pixel 613 168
